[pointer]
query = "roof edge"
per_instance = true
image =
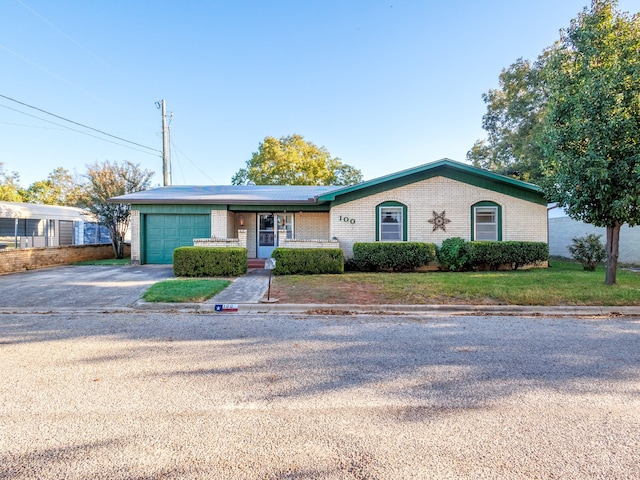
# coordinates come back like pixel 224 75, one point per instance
pixel 445 162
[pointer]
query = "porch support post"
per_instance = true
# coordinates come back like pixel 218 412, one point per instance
pixel 282 238
pixel 242 237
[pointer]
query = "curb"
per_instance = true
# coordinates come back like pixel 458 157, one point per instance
pixel 388 309
pixel 344 309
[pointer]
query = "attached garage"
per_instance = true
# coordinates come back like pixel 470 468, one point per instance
pixel 163 232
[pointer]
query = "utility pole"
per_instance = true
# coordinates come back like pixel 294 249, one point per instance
pixel 165 155
pixel 165 139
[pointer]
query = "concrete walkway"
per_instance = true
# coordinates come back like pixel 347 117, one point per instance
pixel 249 288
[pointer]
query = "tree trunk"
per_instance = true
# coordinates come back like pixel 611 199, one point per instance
pixel 613 243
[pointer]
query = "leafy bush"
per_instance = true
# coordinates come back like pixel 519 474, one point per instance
pixel 589 251
pixel 515 254
pixel 453 254
pixel 396 256
pixel 308 261
pixel 209 262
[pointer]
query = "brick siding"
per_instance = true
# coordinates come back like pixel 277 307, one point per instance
pixel 521 220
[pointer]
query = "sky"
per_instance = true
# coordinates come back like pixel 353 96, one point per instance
pixel 383 85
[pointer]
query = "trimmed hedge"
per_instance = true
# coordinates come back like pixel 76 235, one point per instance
pixel 395 256
pixel 209 262
pixel 516 254
pixel 308 261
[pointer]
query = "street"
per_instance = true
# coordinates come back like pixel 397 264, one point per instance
pixel 174 395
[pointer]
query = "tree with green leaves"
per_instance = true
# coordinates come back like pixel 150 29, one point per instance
pixel 291 160
pixel 513 123
pixel 110 179
pixel 591 124
pixel 9 186
pixel 60 188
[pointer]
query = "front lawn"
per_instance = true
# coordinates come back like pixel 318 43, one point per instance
pixel 565 283
pixel 184 290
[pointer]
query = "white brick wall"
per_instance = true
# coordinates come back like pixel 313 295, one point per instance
pixel 311 225
pixel 134 227
pixel 219 223
pixel 521 220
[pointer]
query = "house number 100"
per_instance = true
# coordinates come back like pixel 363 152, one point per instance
pixel 347 219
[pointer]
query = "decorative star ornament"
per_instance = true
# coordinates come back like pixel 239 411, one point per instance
pixel 439 221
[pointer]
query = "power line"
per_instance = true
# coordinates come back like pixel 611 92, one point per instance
pixel 71 129
pixel 80 124
pixel 189 160
pixel 79 45
pixel 63 33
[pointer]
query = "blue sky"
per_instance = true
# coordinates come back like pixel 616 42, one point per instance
pixel 382 85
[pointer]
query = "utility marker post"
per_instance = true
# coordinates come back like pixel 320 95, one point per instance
pixel 269 264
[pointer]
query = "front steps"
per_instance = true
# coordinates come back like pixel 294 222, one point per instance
pixel 255 263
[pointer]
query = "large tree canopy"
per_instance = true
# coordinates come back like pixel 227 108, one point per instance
pixel 591 137
pixel 60 188
pixel 111 179
pixel 513 122
pixel 291 160
pixel 9 186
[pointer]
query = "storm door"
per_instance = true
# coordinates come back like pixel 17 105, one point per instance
pixel 266 234
pixel 268 226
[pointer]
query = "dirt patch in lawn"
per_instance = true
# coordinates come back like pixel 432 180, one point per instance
pixel 317 292
pixel 324 289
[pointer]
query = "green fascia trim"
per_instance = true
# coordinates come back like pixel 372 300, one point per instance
pixel 473 219
pixel 442 168
pixel 280 208
pixel 404 218
pixel 177 208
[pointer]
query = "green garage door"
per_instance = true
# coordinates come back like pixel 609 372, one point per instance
pixel 164 233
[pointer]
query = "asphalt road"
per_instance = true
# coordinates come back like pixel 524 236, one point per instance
pixel 161 396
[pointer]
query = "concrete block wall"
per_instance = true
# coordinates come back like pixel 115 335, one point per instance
pixel 356 221
pixel 563 229
pixel 18 260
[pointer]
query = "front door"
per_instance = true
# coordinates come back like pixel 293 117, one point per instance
pixel 266 235
pixel 268 226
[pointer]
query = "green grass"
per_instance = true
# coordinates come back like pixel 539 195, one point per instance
pixel 108 261
pixel 565 283
pixel 184 290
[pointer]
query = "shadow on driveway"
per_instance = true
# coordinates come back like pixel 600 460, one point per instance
pixel 80 286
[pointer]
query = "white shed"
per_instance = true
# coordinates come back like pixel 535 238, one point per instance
pixel 30 225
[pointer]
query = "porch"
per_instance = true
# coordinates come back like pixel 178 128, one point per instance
pixel 261 232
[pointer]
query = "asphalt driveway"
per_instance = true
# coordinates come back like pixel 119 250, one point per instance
pixel 79 286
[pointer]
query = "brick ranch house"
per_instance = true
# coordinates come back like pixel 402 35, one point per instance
pixel 428 203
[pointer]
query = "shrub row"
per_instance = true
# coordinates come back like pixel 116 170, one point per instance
pixel 308 261
pixel 456 254
pixel 209 262
pixel 395 256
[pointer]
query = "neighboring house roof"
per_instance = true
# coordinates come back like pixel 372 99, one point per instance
pixel 49 212
pixel 224 194
pixel 300 195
